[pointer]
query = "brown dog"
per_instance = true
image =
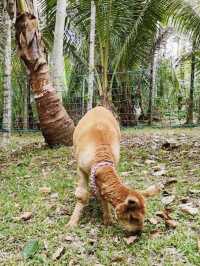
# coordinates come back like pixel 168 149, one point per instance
pixel 97 148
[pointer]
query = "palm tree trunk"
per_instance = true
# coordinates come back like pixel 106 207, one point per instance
pixel 7 111
pixel 25 104
pixel 56 125
pixel 151 91
pixel 57 54
pixel 191 97
pixel 91 56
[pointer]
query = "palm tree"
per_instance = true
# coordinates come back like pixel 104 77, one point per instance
pixel 57 53
pixel 57 127
pixel 7 105
pixel 91 56
pixel 191 97
pixel 125 33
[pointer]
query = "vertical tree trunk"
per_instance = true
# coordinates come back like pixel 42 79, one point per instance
pixel 29 106
pixel 7 113
pixel 57 127
pixel 25 113
pixel 198 118
pixel 57 54
pixel 191 97
pixel 91 56
pixel 151 90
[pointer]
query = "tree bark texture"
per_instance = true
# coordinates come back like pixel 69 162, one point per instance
pixel 7 105
pixel 57 127
pixel 191 97
pixel 57 54
pixel 91 56
pixel 151 90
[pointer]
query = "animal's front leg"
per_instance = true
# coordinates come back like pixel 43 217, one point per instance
pixel 107 212
pixel 82 197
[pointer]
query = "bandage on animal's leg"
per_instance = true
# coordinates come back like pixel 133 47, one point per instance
pixel 107 212
pixel 82 196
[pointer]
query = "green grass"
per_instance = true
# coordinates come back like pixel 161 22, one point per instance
pixel 27 165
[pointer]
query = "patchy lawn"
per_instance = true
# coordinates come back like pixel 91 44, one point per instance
pixel 37 198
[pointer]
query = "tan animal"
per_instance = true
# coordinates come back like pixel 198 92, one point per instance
pixel 97 149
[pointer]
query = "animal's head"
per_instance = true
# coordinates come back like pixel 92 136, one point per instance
pixel 130 213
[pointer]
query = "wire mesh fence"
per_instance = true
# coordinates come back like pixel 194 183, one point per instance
pixel 129 99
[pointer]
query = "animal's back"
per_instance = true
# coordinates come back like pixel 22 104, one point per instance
pixel 98 127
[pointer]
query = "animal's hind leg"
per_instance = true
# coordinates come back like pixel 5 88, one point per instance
pixel 82 196
pixel 107 212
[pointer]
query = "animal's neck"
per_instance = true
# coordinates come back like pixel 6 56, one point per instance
pixel 103 153
pixel 110 186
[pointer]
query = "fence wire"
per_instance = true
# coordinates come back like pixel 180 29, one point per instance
pixel 130 102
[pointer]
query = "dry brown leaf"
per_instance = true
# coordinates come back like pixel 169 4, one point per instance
pixel 167 219
pixel 59 252
pixel 149 161
pixel 189 209
pixel 129 240
pixel 45 190
pixel 168 200
pixel 153 221
pixel 159 173
pixel 159 167
pixel 164 215
pixel 26 216
pixel 152 190
pixel 171 223
pixel 170 181
pixel 68 238
pixel 54 195
pixel 184 200
pixel 154 234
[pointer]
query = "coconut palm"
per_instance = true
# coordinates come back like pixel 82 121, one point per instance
pixel 57 52
pixel 7 91
pixel 57 127
pixel 126 32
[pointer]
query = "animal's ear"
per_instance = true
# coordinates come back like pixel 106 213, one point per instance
pixel 152 191
pixel 132 204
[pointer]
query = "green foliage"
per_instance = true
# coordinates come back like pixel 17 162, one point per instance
pixel 30 249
